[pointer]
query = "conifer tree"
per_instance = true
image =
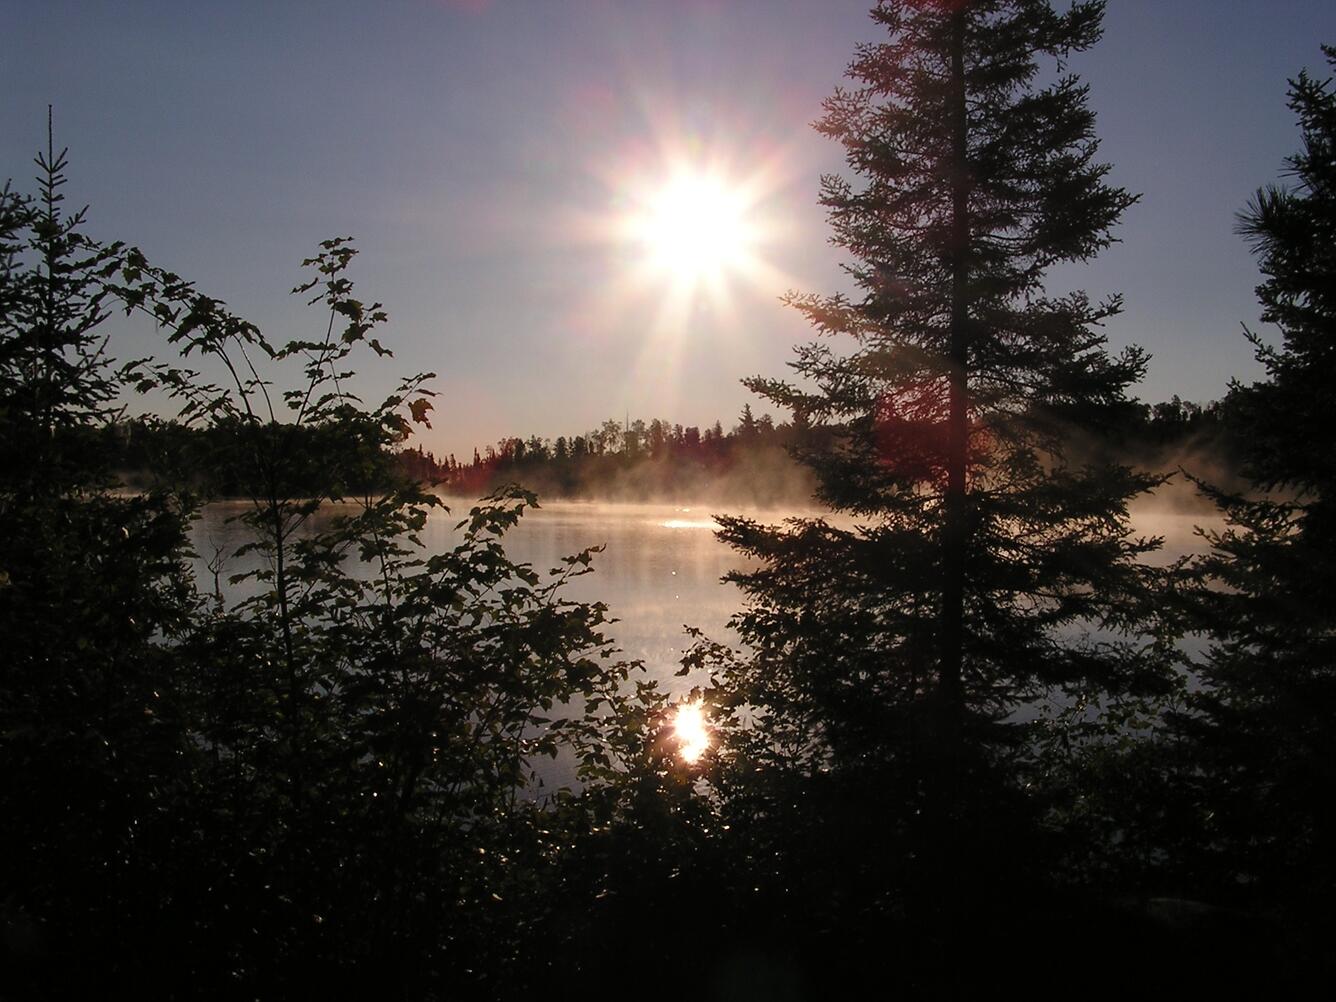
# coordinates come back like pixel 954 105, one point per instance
pixel 1267 716
pixel 975 570
pixel 92 588
pixel 54 379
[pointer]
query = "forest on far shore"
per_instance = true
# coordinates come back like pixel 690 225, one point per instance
pixel 750 463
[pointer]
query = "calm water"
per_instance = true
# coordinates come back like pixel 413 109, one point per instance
pixel 660 570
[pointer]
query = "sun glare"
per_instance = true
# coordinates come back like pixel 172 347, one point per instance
pixel 689 241
pixel 691 732
pixel 695 226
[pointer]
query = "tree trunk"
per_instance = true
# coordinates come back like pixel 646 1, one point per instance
pixel 955 528
pixel 946 857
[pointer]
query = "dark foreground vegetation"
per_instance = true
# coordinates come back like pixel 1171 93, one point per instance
pixel 956 753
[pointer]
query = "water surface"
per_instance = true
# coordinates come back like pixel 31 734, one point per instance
pixel 660 569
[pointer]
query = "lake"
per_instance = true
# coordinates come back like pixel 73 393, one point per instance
pixel 661 566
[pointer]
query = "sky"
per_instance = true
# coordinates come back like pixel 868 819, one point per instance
pixel 487 154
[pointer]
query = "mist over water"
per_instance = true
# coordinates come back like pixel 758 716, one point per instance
pixel 659 572
pixel 661 566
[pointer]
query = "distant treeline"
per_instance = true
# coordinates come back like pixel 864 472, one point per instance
pixel 635 461
pixel 218 460
pixel 620 460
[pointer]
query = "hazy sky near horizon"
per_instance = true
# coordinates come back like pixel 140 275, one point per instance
pixel 477 150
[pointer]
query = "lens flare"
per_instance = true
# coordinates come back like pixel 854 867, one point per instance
pixel 691 731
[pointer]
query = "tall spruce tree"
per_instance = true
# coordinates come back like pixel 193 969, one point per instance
pixel 976 572
pixel 1267 714
pixel 93 589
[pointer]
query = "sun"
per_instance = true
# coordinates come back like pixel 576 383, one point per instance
pixel 687 237
pixel 695 226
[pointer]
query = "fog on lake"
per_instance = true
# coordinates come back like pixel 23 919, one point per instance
pixel 660 569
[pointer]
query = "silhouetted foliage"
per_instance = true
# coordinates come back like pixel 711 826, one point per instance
pixel 887 736
pixel 641 462
pixel 665 462
pixel 1265 720
pixel 93 590
pixel 323 778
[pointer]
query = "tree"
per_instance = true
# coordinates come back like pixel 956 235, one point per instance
pixel 657 438
pixel 93 592
pixel 55 378
pixel 609 436
pixel 363 808
pixel 746 423
pixel 1265 721
pixel 634 437
pixel 983 573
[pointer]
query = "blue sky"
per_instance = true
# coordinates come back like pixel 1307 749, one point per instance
pixel 466 145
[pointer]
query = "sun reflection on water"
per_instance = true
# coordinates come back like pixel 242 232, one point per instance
pixel 689 523
pixel 690 729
